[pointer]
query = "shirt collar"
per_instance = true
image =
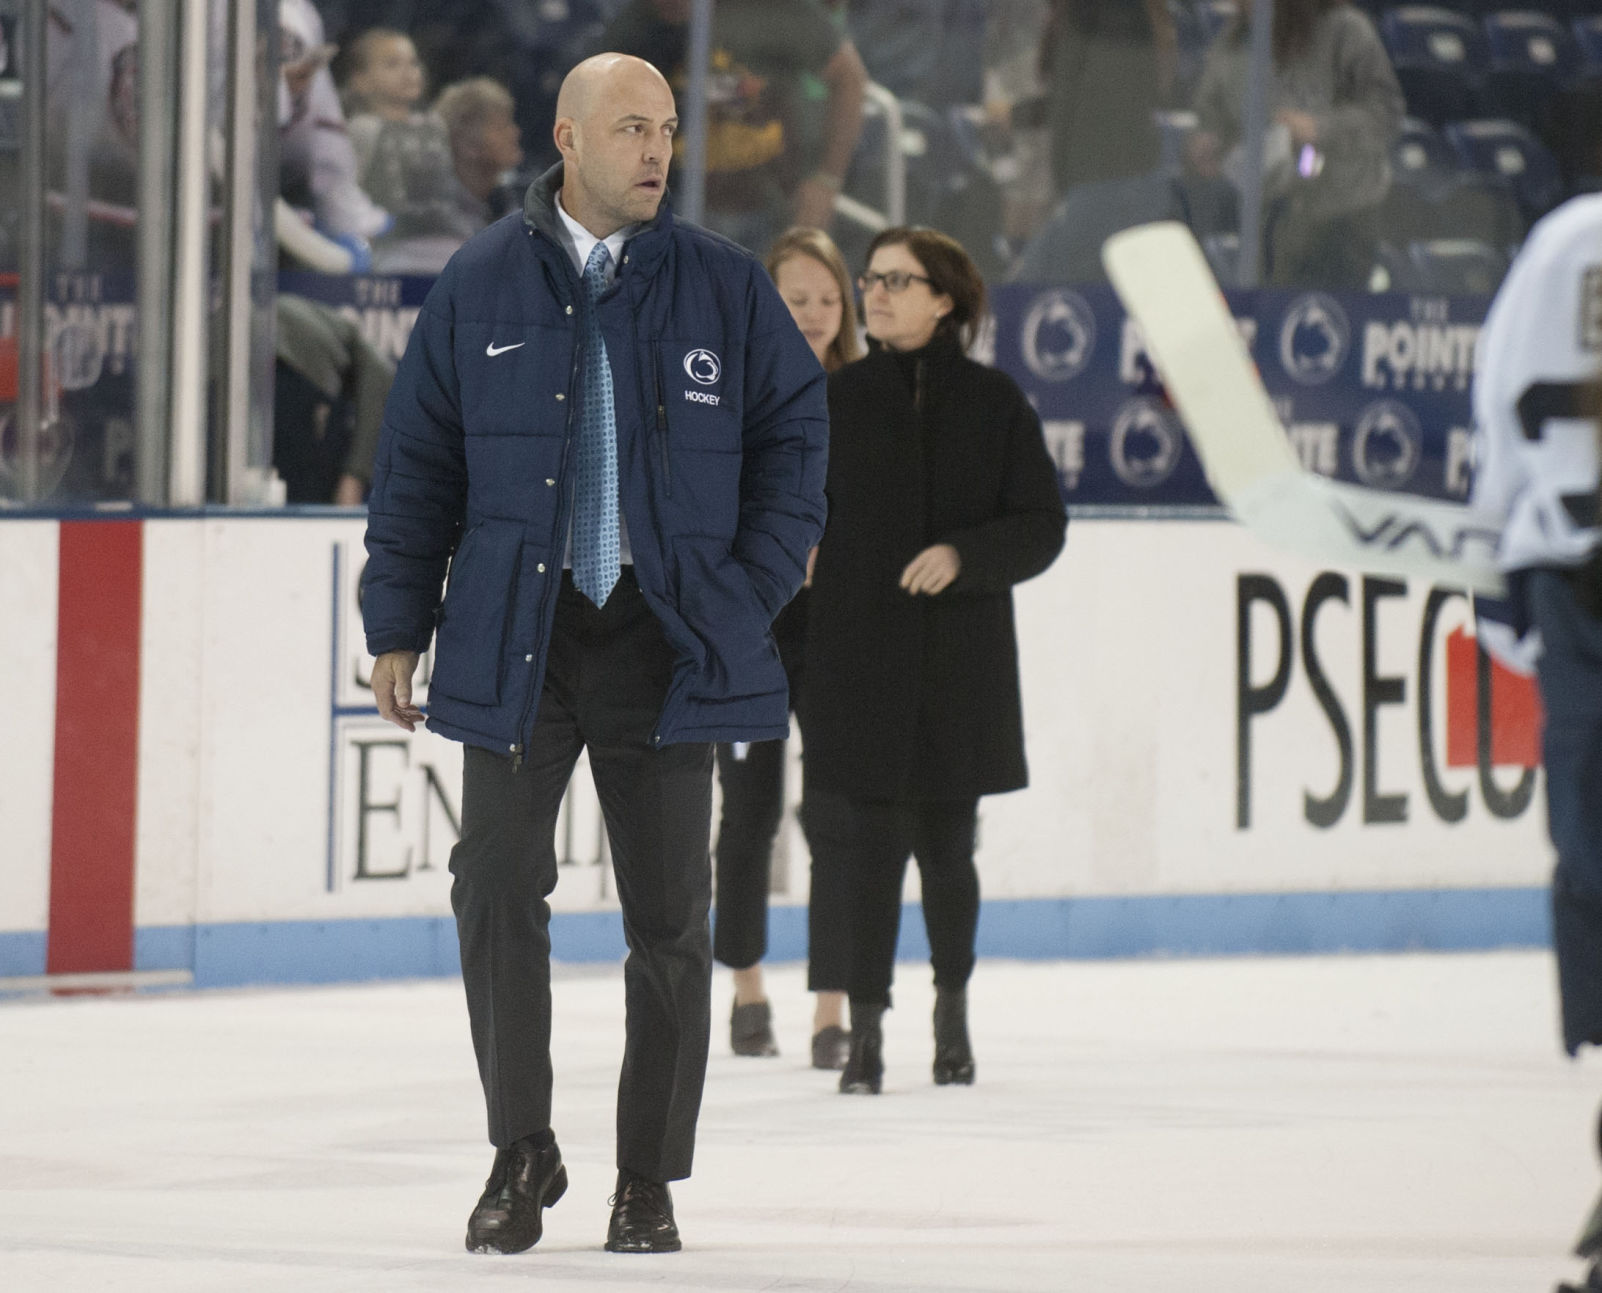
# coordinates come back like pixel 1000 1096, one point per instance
pixel 581 242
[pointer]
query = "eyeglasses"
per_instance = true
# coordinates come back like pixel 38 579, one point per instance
pixel 897 280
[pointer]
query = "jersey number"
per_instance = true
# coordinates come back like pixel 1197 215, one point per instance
pixel 1542 403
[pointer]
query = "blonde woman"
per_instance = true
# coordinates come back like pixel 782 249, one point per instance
pixel 812 278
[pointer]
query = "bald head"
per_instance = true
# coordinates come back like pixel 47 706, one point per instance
pixel 604 78
pixel 615 122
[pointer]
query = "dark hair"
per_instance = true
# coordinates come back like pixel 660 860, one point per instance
pixel 950 271
pixel 814 243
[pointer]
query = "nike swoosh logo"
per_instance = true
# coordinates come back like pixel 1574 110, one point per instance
pixel 492 349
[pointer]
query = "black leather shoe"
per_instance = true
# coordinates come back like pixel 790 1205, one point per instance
pixel 525 1180
pixel 864 1070
pixel 642 1217
pixel 831 1047
pixel 953 1058
pixel 751 1029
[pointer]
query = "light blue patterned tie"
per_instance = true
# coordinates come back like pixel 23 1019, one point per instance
pixel 595 521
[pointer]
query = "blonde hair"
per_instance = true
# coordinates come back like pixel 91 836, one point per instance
pixel 802 241
pixel 467 105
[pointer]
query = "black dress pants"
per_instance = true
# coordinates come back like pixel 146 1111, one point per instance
pixel 860 847
pixel 606 676
pixel 752 779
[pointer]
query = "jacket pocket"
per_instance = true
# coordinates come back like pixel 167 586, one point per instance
pixel 720 606
pixel 470 641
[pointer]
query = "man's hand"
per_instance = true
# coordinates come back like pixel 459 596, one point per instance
pixel 812 564
pixel 392 689
pixel 932 570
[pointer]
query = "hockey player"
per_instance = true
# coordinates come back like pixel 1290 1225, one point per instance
pixel 1536 405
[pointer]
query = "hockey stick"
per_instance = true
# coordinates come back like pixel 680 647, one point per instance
pixel 1163 280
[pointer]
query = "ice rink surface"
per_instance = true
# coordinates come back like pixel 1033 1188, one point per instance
pixel 1290 1126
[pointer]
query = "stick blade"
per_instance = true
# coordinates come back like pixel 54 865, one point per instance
pixel 1162 278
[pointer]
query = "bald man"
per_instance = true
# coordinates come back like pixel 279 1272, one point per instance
pixel 610 433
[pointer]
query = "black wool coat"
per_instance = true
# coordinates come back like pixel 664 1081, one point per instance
pixel 909 697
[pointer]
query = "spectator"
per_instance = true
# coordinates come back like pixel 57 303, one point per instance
pixel 928 50
pixel 1108 65
pixel 328 404
pixel 486 142
pixel 811 277
pixel 317 163
pixel 771 158
pixel 1337 109
pixel 941 497
pixel 1014 113
pixel 403 156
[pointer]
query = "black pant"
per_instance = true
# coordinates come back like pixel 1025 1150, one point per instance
pixel 606 676
pixel 752 780
pixel 861 847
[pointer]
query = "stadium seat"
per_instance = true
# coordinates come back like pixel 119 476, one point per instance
pixel 1422 158
pixel 1457 266
pixel 1531 57
pixel 1588 47
pixel 1509 151
pixel 1440 60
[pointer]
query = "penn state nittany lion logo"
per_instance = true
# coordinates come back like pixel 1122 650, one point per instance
pixel 1059 335
pixel 703 366
pixel 1145 444
pixel 1387 445
pixel 1314 339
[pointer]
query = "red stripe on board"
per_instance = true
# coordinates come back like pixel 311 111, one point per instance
pixel 97 747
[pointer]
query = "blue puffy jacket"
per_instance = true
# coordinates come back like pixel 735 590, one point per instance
pixel 722 428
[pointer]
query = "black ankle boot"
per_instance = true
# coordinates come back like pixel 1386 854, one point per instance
pixel 864 1070
pixel 953 1058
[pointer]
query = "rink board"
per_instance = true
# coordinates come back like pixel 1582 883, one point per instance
pixel 1231 752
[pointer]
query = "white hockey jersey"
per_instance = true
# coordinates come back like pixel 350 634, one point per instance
pixel 1536 457
pixel 1540 352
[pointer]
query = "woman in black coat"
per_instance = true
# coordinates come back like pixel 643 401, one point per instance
pixel 941 497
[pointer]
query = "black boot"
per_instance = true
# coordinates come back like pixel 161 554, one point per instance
pixel 751 1029
pixel 953 1058
pixel 864 1070
pixel 1589 1244
pixel 642 1217
pixel 831 1047
pixel 527 1178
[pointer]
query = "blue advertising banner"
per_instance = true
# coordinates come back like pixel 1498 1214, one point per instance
pixel 1372 388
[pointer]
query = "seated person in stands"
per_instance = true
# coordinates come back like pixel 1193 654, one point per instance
pixel 486 146
pixel 403 155
pixel 1336 109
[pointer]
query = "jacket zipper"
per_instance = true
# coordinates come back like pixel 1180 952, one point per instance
pixel 525 723
pixel 661 427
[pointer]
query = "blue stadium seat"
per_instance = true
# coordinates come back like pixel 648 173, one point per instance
pixel 1588 47
pixel 1422 158
pixel 1457 266
pixel 1440 59
pixel 1531 57
pixel 1508 150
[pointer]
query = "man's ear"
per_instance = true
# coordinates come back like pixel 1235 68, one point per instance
pixel 565 134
